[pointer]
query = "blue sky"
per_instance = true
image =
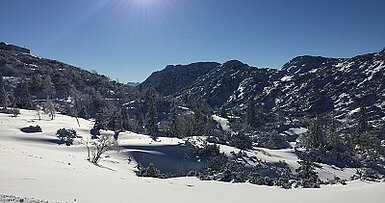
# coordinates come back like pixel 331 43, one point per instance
pixel 129 39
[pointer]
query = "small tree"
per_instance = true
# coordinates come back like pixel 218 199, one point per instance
pixel 306 175
pixel 173 121
pixel 149 171
pixel 241 140
pixel 49 109
pixel 3 94
pixel 66 135
pixel 24 97
pixel 97 147
pixel 314 138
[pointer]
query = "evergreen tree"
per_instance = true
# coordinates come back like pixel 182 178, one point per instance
pixel 3 94
pixel 173 121
pixel 200 120
pixel 285 179
pixel 126 121
pixel 306 174
pixel 24 97
pixel 314 138
pixel 151 115
pixel 256 115
pixel 366 145
pixel 48 87
pixel 36 83
pixel 251 112
pixel 241 140
pixel 363 121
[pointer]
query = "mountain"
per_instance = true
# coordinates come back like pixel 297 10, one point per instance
pixel 317 85
pixel 217 86
pixel 133 84
pixel 306 85
pixel 174 79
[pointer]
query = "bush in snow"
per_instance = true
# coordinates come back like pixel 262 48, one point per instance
pixel 306 175
pixel 367 174
pixel 95 133
pixel 14 111
pixel 270 140
pixel 255 178
pixel 31 129
pixel 208 150
pixel 241 140
pixel 66 135
pixel 97 147
pixel 286 179
pixel 149 171
pixel 232 171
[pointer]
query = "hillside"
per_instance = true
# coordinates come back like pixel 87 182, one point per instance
pixel 34 166
pixel 55 80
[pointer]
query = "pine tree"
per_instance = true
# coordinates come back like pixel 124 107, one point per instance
pixel 151 115
pixel 126 122
pixel 173 121
pixel 3 94
pixel 251 112
pixel 36 83
pixel 241 140
pixel 24 97
pixel 363 123
pixel 48 87
pixel 306 174
pixel 314 138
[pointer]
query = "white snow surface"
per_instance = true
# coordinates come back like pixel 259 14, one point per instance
pixel 33 166
pixel 223 122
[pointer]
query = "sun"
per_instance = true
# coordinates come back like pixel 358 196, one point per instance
pixel 146 2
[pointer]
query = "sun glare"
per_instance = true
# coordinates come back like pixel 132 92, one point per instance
pixel 147 3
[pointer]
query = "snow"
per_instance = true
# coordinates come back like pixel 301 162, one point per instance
pixel 286 78
pixel 313 71
pixel 241 91
pixel 356 110
pixel 295 131
pixel 34 166
pixel 222 121
pixel 344 66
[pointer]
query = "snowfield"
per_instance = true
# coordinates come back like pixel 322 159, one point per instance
pixel 33 165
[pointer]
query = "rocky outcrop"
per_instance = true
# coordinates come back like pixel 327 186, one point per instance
pixel 10 47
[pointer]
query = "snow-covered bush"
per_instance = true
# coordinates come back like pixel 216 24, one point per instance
pixel 208 150
pixel 149 171
pixel 306 175
pixel 270 140
pixel 31 129
pixel 66 135
pixel 97 147
pixel 367 174
pixel 241 140
pixel 255 178
pixel 232 171
pixel 286 179
pixel 14 111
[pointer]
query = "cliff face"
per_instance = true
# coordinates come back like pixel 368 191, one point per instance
pixel 10 47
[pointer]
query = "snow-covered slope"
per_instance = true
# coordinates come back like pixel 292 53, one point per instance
pixel 33 165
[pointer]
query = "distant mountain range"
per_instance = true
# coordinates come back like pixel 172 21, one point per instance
pixel 311 85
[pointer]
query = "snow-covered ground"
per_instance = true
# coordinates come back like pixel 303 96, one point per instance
pixel 35 166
